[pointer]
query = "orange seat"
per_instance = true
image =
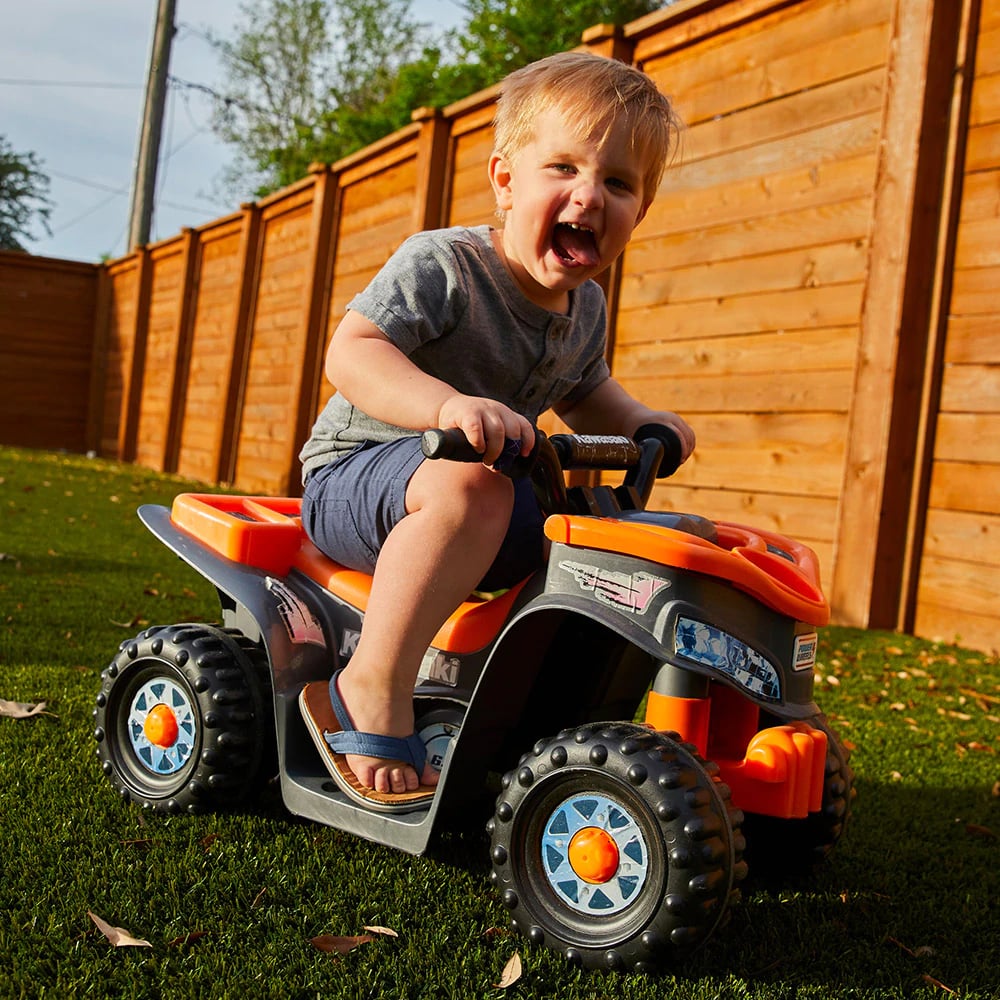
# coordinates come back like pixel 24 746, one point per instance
pixel 266 533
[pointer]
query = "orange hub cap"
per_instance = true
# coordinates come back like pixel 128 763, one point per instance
pixel 593 855
pixel 160 727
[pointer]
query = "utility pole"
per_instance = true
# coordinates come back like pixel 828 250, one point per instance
pixel 144 184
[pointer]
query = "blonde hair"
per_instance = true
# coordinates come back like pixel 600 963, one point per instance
pixel 593 94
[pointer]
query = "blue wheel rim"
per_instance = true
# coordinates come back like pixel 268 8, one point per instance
pixel 624 887
pixel 164 761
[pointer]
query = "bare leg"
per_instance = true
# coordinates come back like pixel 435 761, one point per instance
pixel 431 561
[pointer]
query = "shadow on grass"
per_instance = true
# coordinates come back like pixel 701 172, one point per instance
pixel 906 901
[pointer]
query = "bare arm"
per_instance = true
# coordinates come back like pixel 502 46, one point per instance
pixel 370 371
pixel 609 409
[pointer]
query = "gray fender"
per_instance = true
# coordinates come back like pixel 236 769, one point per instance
pixel 280 613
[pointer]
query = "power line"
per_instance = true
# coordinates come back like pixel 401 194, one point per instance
pixel 124 190
pixel 226 99
pixel 80 84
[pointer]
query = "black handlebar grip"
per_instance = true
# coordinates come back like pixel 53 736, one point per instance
pixel 673 450
pixel 451 444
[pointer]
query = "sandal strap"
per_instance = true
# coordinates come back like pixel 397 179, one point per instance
pixel 409 749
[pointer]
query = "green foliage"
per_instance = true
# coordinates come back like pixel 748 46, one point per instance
pixel 316 80
pixel 23 196
pixel 311 80
pixel 501 36
pixel 905 907
pixel 277 78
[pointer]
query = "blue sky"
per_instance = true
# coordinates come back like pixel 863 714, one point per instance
pixel 72 87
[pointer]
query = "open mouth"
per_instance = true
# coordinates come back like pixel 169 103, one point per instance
pixel 575 244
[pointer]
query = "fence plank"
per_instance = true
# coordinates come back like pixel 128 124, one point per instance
pixel 801 267
pixel 879 475
pixel 956 534
pixel 967 486
pixel 785 353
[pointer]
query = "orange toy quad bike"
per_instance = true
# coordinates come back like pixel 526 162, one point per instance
pixel 619 844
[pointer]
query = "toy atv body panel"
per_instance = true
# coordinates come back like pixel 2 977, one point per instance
pixel 617 843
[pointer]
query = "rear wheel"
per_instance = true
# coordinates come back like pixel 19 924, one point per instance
pixel 795 846
pixel 183 719
pixel 616 846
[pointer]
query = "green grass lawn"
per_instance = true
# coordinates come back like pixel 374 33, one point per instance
pixel 906 907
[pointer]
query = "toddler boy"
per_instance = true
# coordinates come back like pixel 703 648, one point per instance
pixel 482 329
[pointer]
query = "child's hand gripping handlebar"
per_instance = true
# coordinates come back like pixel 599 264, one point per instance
pixel 654 453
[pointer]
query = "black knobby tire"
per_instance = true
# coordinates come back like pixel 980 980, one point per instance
pixel 792 847
pixel 677 846
pixel 211 688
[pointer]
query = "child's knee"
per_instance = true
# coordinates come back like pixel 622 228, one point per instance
pixel 485 495
pixel 471 496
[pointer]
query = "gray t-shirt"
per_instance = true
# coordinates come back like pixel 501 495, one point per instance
pixel 447 301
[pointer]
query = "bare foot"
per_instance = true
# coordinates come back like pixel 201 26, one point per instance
pixel 375 714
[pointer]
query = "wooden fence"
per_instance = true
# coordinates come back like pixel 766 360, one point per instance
pixel 812 289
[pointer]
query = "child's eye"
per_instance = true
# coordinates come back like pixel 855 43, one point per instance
pixel 618 184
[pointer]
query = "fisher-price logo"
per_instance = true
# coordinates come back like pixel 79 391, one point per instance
pixel 804 654
pixel 624 591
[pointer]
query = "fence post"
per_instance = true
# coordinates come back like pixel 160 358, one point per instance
pixel 953 140
pixel 608 40
pixel 182 356
pixel 128 427
pixel 246 292
pixel 317 303
pixel 432 164
pixel 98 361
pixel 879 469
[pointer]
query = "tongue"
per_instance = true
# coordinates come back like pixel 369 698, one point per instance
pixel 577 245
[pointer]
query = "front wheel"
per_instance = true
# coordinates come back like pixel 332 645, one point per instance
pixel 616 846
pixel 183 717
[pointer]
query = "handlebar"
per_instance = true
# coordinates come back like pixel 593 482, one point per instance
pixel 653 454
pixel 574 451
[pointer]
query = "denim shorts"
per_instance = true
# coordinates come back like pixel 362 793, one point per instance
pixel 349 508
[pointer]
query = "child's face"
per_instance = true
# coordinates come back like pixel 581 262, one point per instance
pixel 570 206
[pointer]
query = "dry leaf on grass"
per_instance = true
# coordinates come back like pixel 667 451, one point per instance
pixel 118 936
pixel 340 945
pixel 977 830
pixel 186 939
pixel 385 931
pixel 511 972
pixel 22 710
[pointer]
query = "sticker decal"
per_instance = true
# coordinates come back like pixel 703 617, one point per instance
pixel 440 666
pixel 711 647
pixel 804 654
pixel 349 640
pixel 631 592
pixel 299 621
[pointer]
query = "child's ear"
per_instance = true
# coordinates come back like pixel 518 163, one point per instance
pixel 500 178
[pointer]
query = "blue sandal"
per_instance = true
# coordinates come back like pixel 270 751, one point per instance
pixel 332 731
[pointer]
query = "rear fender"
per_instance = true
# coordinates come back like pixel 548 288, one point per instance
pixel 279 612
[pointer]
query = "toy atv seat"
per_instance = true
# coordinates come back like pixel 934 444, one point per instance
pixel 266 533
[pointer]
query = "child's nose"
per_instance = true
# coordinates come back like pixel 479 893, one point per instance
pixel 588 193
